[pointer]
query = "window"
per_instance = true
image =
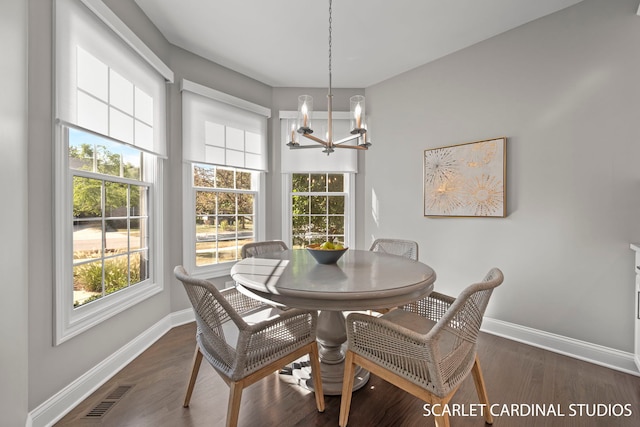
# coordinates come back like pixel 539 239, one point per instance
pixel 318 208
pixel 110 216
pixel 225 212
pixel 224 143
pixel 110 142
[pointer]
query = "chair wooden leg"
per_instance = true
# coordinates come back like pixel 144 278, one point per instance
pixel 314 358
pixel 233 409
pixel 347 389
pixel 478 379
pixel 442 420
pixel 197 359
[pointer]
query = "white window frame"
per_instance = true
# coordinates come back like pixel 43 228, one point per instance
pixel 72 321
pixel 350 207
pixel 69 321
pixel 189 225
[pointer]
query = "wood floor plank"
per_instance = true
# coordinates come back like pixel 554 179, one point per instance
pixel 514 373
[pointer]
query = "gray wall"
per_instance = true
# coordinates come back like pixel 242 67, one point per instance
pixel 13 215
pixel 563 90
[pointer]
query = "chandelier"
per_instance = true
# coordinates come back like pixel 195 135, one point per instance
pixel 358 134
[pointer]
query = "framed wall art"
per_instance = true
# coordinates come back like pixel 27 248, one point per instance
pixel 466 180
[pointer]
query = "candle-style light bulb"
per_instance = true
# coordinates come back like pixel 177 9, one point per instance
pixel 305 110
pixel 305 115
pixel 358 116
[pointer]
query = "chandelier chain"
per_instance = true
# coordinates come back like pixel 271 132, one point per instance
pixel 330 43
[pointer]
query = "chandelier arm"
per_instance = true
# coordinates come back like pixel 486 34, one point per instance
pixel 346 139
pixel 316 139
pixel 355 147
pixel 298 147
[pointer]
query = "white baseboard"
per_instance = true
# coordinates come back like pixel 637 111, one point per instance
pixel 182 317
pixel 69 397
pixel 65 400
pixel 582 350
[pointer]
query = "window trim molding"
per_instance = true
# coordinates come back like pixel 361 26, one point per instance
pixel 69 321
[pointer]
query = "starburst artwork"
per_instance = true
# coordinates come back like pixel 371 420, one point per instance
pixel 465 180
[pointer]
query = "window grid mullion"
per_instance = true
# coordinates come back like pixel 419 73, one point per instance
pixel 103 240
pixel 111 178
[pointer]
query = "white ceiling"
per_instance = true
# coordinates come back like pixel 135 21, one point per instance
pixel 284 43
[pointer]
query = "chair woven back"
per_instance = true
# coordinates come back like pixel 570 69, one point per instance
pixel 255 249
pixel 212 310
pixel 455 334
pixel 405 248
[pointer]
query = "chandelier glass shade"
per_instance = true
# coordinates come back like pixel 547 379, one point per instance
pixel 357 139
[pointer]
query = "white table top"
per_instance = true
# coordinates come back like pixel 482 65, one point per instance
pixel 360 280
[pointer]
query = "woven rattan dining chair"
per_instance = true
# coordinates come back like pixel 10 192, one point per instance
pixel 255 249
pixel 426 348
pixel 405 248
pixel 245 340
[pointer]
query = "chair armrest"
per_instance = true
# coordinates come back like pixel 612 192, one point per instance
pixel 288 317
pixel 433 306
pixel 271 338
pixel 360 325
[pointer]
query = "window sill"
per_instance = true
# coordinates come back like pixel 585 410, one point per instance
pixel 75 321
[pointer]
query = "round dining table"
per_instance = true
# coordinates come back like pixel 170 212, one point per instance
pixel 360 280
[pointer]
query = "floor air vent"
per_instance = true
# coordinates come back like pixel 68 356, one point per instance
pixel 109 402
pixel 118 392
pixel 100 409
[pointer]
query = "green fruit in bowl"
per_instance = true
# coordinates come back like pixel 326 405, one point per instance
pixel 327 245
pixel 338 246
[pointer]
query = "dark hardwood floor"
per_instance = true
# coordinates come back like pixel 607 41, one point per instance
pixel 515 374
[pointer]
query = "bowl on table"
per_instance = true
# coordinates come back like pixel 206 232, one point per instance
pixel 325 256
